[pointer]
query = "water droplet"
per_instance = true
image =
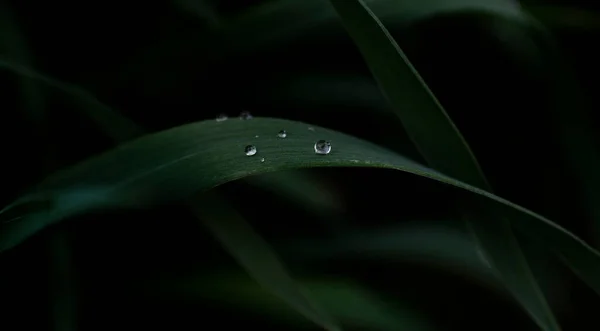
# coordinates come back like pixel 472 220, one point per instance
pixel 262 160
pixel 322 147
pixel 250 150
pixel 256 136
pixel 222 117
pixel 245 115
pixel 282 134
pixel 310 128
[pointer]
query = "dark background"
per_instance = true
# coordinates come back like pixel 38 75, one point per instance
pixel 162 65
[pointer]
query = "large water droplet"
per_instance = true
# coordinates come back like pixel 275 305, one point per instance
pixel 222 117
pixel 250 150
pixel 245 115
pixel 322 147
pixel 282 134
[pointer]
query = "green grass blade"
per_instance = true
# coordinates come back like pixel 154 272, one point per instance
pixel 257 258
pixel 425 120
pixel 424 242
pixel 443 244
pixel 111 122
pixel 203 155
pixel 353 305
pixel 444 148
pixel 120 129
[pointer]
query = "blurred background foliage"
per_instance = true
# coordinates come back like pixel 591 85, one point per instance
pixel 522 92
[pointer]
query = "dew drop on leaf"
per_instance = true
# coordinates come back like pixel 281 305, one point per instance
pixel 245 115
pixel 250 150
pixel 222 117
pixel 282 134
pixel 322 147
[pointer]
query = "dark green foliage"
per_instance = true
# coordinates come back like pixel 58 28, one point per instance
pixel 127 205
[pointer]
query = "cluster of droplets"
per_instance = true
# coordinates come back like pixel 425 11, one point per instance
pixel 321 147
pixel 244 115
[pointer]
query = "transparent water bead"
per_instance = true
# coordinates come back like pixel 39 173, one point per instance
pixel 322 147
pixel 222 117
pixel 282 134
pixel 250 150
pixel 262 160
pixel 245 115
pixel 310 128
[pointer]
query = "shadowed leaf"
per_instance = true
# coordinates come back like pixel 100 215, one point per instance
pixel 444 148
pixel 206 154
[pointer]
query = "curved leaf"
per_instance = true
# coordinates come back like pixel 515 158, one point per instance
pixel 176 163
pixel 444 148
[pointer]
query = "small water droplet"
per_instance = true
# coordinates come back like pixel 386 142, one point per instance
pixel 250 150
pixel 282 134
pixel 245 115
pixel 222 117
pixel 310 128
pixel 256 136
pixel 262 160
pixel 322 147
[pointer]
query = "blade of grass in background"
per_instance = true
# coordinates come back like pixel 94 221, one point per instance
pixel 353 305
pixel 283 20
pixel 571 113
pixel 444 148
pixel 121 129
pixel 13 48
pixel 444 244
pixel 206 154
pixel 112 123
pixel 257 258
pixel 426 122
pixel 569 107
